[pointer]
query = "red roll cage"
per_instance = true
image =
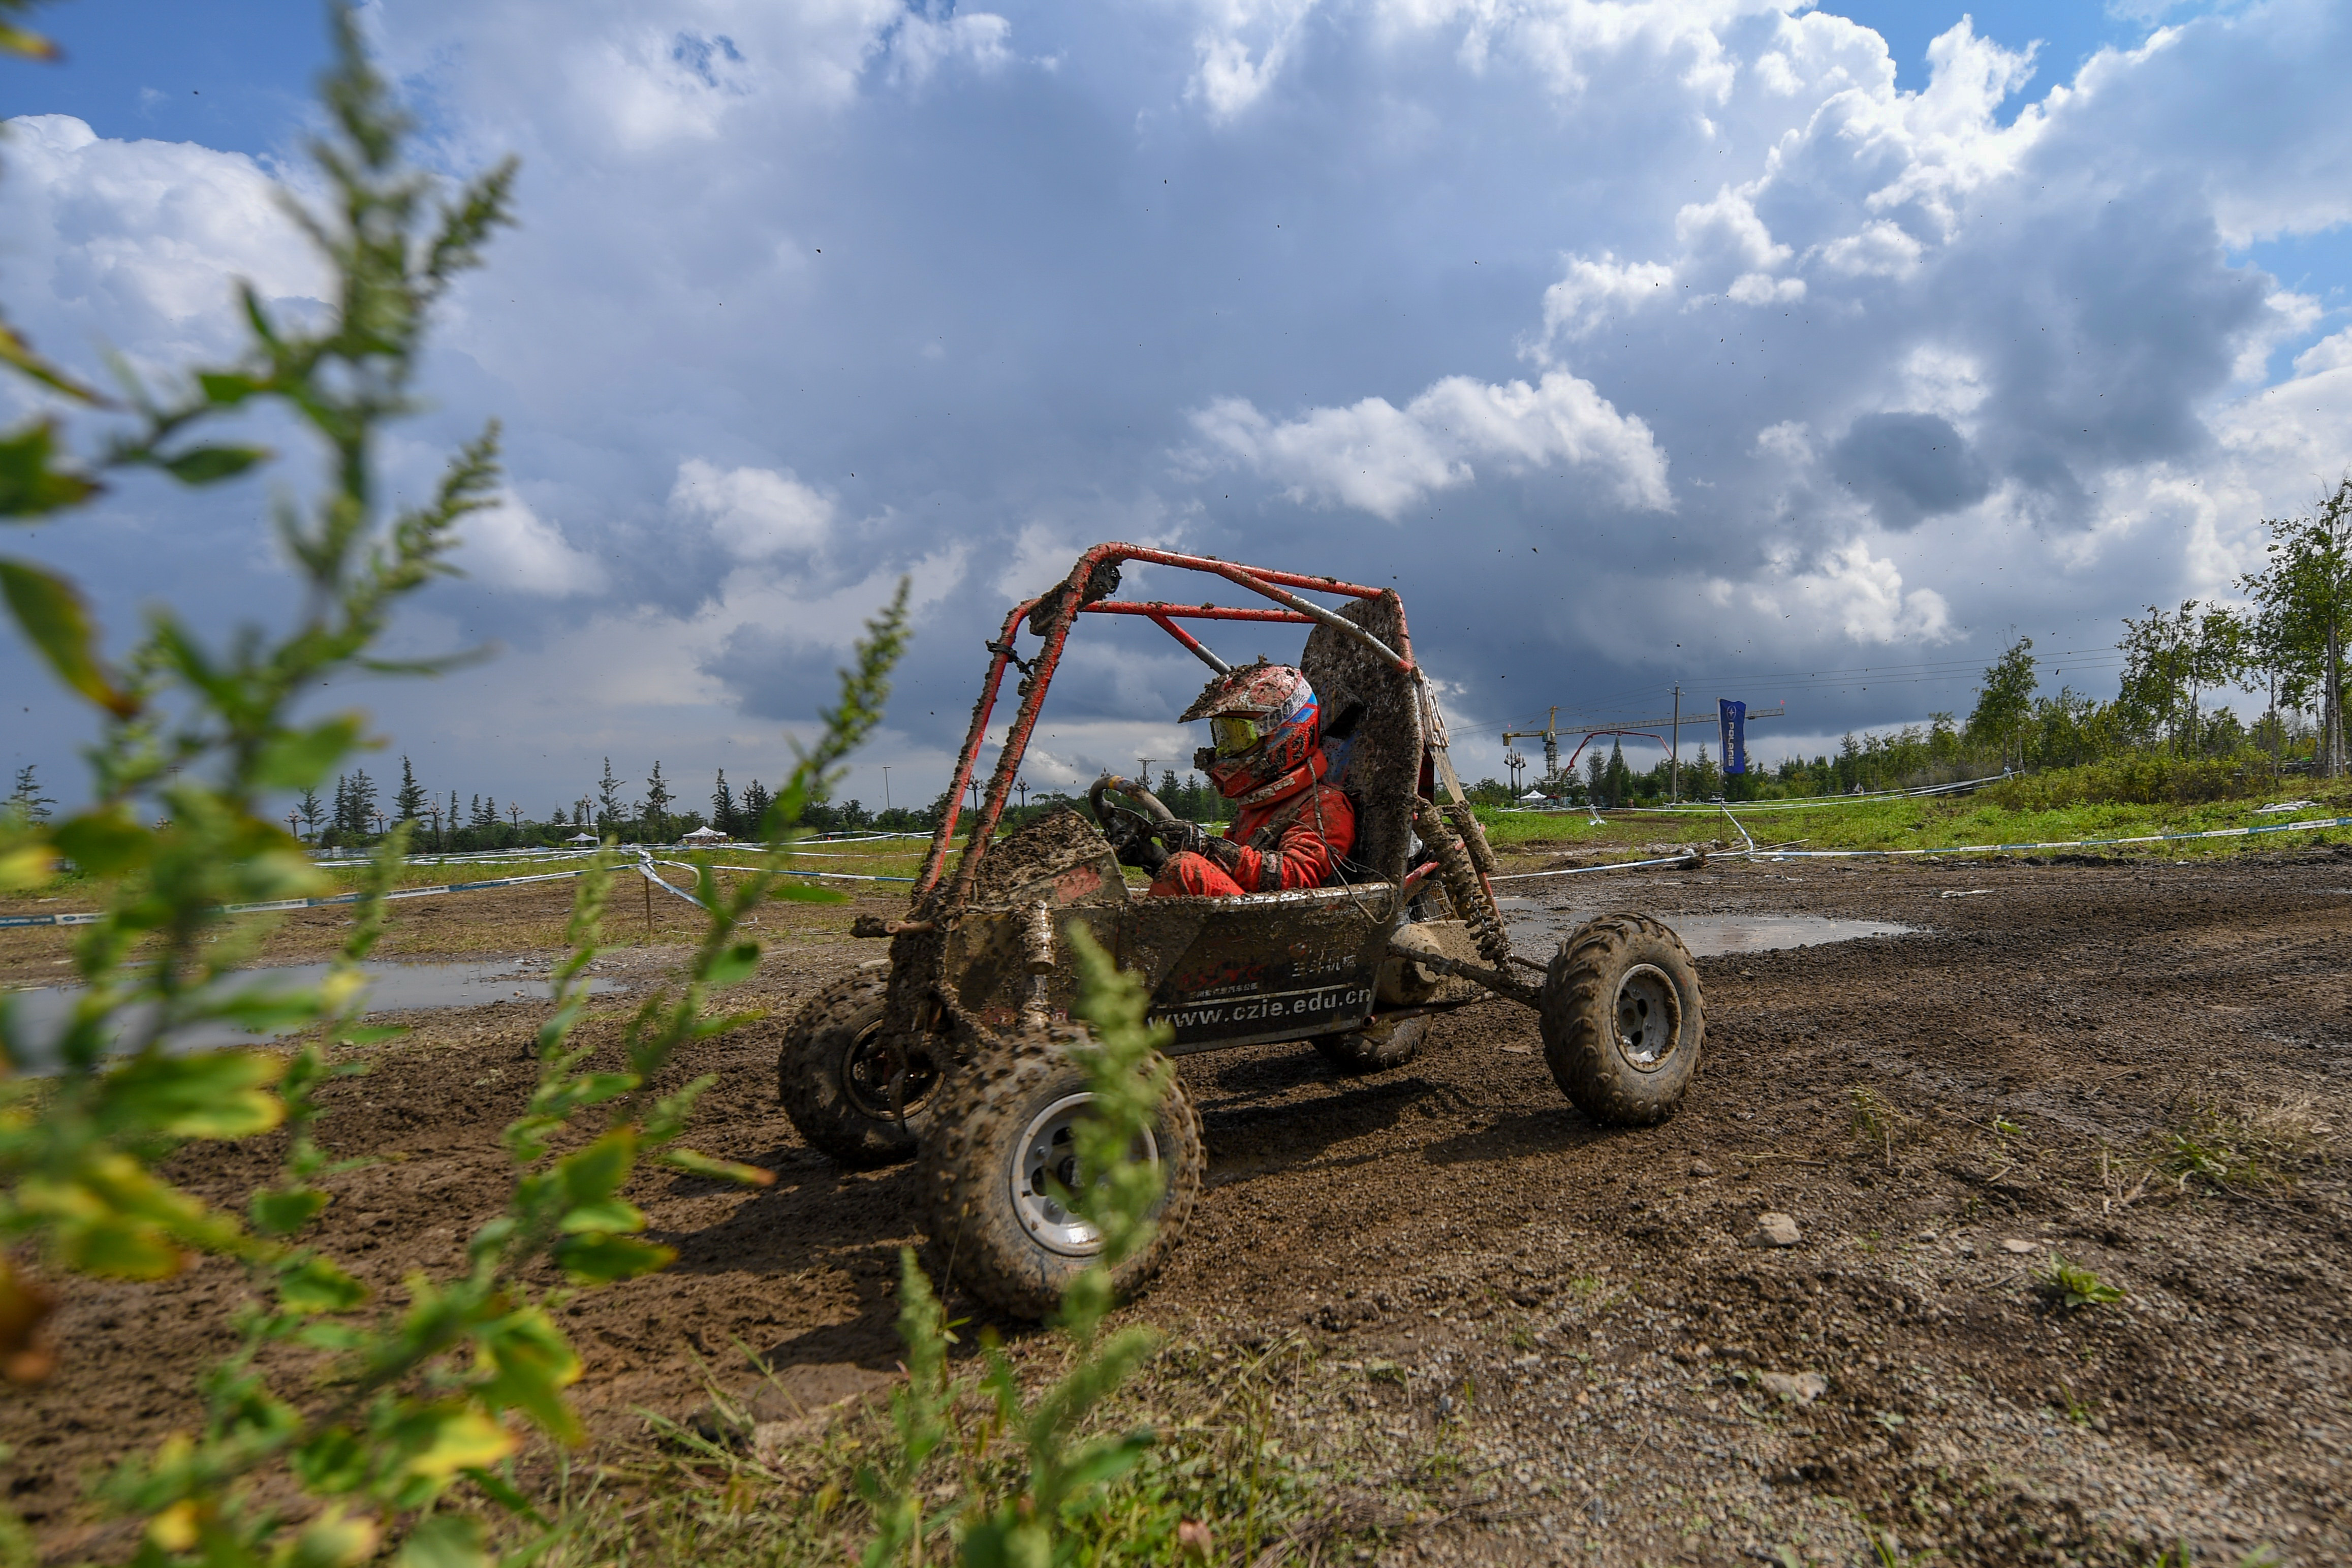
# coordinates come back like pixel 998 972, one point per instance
pixel 1038 671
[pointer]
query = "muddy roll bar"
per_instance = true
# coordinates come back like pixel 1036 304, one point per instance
pixel 1087 589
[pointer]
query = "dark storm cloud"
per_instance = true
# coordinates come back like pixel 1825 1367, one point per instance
pixel 1909 466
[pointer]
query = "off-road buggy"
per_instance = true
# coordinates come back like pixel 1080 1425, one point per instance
pixel 957 1047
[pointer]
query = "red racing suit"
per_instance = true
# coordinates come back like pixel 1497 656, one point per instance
pixel 1289 842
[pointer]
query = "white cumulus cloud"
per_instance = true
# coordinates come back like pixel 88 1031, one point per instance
pixel 754 513
pixel 1382 458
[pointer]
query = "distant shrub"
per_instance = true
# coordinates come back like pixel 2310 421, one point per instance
pixel 2146 779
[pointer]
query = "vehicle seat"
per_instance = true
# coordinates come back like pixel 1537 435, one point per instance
pixel 1378 763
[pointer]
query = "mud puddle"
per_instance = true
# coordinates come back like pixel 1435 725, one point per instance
pixel 1538 924
pixel 41 1013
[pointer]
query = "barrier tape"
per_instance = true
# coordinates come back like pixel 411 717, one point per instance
pixel 91 918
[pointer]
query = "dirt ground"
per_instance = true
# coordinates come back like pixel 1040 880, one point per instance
pixel 1571 1319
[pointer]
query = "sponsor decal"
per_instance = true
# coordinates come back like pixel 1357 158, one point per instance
pixel 1196 1015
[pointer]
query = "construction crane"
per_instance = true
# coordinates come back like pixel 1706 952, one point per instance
pixel 1551 736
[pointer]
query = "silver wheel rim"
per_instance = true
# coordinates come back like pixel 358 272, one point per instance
pixel 1048 1153
pixel 1648 1018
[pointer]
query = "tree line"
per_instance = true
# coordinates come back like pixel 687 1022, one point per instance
pixel 2285 640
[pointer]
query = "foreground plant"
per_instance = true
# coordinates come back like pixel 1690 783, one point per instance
pixel 1116 1192
pixel 192 741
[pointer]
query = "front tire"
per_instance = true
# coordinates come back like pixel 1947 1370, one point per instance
pixel 1624 1020
pixel 1000 1128
pixel 835 1071
pixel 1379 1045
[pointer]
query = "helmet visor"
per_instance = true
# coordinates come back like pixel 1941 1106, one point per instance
pixel 1234 733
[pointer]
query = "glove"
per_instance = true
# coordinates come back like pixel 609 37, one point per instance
pixel 1182 837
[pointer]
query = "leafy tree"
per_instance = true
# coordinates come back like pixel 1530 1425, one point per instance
pixel 410 805
pixel 657 800
pixel 2168 660
pixel 2302 601
pixel 2005 703
pixel 26 802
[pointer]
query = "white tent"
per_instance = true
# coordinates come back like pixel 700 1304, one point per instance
pixel 582 838
pixel 705 836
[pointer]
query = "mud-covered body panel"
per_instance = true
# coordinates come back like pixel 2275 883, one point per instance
pixel 1223 971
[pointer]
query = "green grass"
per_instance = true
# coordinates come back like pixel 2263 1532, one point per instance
pixel 1922 823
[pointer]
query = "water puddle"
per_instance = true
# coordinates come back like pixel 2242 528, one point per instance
pixel 392 987
pixel 1536 928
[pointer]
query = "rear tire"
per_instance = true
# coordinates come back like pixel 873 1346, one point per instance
pixel 1379 1045
pixel 1624 1020
pixel 834 1075
pixel 999 1127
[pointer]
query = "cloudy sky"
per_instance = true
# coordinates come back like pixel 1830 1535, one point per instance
pixel 1791 353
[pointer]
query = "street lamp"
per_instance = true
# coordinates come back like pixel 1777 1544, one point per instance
pixel 1023 785
pixel 886 786
pixel 294 823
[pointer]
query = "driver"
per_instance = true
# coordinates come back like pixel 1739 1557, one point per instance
pixel 1268 759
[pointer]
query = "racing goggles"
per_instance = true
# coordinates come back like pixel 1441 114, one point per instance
pixel 1235 734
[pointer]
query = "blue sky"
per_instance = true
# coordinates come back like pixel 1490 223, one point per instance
pixel 1788 354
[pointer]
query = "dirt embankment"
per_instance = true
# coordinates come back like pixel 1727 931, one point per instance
pixel 1570 1318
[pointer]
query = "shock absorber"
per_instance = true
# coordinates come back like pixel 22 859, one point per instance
pixel 1459 872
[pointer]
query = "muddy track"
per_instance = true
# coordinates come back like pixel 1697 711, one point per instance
pixel 1569 1316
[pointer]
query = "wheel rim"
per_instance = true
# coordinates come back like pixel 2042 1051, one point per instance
pixel 1649 1017
pixel 1049 1153
pixel 866 1072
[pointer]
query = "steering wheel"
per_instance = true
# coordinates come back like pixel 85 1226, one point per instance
pixel 1125 828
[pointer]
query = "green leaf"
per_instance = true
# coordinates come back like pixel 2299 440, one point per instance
pixel 601 1260
pixel 807 893
pixel 16 40
pixel 106 842
pixel 435 1441
pixel 333 1539
pixel 719 1170
pixel 227 389
pixel 299 759
pixel 529 1363
pixel 606 1215
pixel 443 1541
pixel 119 1248
pixel 283 1214
pixel 331 1462
pixel 215 1094
pixel 596 1173
pixel 208 465
pixel 29 486
pixel 316 1285
pixel 14 350
pixel 736 964
pixel 51 612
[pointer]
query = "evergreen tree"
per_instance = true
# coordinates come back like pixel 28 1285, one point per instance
pixel 657 801
pixel 311 810
pixel 343 818
pixel 722 806
pixel 363 801
pixel 455 822
pixel 28 801
pixel 608 798
pixel 756 801
pixel 409 805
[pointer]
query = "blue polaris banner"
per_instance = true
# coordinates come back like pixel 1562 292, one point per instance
pixel 1734 716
